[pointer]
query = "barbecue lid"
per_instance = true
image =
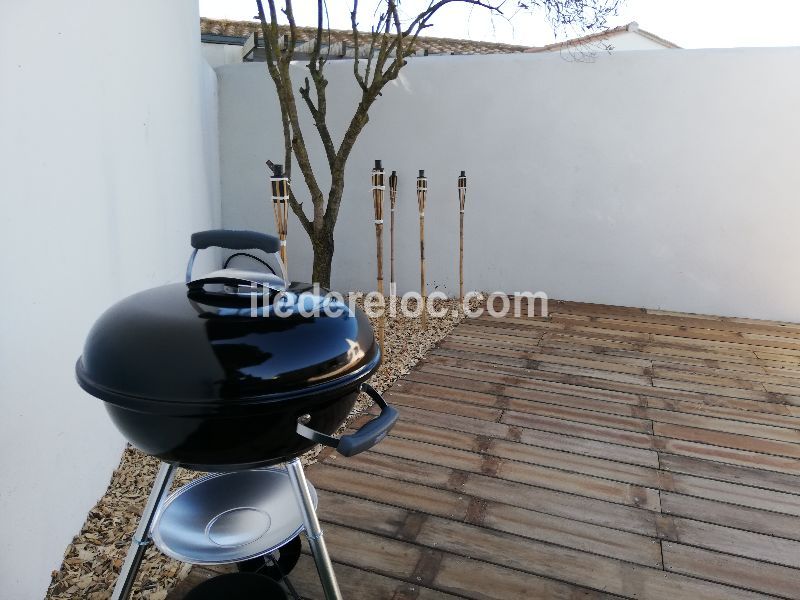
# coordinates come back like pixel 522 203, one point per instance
pixel 229 338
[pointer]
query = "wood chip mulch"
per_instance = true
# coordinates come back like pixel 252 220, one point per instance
pixel 94 558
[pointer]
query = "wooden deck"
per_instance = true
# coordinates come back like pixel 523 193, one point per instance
pixel 603 452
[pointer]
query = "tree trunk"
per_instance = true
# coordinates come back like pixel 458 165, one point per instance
pixel 322 237
pixel 323 257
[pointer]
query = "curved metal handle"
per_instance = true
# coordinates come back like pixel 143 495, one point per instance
pixel 232 281
pixel 238 278
pixel 233 240
pixel 363 439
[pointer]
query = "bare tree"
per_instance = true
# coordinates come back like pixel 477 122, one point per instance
pixel 379 55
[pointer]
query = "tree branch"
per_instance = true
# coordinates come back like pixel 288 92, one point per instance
pixel 289 12
pixel 319 112
pixel 356 48
pixel 278 68
pixel 371 89
pixel 289 110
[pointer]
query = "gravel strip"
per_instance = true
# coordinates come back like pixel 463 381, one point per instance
pixel 95 556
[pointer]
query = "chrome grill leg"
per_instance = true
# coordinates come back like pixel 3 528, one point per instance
pixel 313 530
pixel 141 538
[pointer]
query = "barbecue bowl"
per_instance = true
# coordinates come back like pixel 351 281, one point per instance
pixel 229 517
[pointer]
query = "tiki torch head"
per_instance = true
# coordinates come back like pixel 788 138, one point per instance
pixel 377 175
pixel 422 190
pixel 462 190
pixel 377 191
pixel 280 199
pixel 279 184
pixel 393 188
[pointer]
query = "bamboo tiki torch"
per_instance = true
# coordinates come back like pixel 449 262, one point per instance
pixel 392 203
pixel 377 199
pixel 280 206
pixel 422 195
pixel 462 199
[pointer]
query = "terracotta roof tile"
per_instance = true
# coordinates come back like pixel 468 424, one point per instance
pixel 433 45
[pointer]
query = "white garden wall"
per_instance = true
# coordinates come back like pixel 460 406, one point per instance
pixel 663 179
pixel 109 160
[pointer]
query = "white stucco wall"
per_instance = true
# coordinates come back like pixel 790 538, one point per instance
pixel 109 161
pixel 662 179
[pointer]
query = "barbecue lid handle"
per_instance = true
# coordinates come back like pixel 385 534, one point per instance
pixel 363 439
pixel 235 240
pixel 231 239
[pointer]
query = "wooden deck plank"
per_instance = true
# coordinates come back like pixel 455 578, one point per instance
pixel 737 542
pixel 722 418
pixel 359 584
pixel 624 382
pixel 606 469
pixel 546 501
pixel 731 492
pixel 415 417
pixel 390 520
pixel 728 440
pixel 738 517
pixel 544 391
pixel 477 579
pixel 563 409
pixel 784 340
pixel 488 379
pixel 704 322
pixel 595 572
pixel 554 479
pixel 735 493
pixel 509 385
pixel 519 356
pixel 733 570
pixel 537 379
pixel 731 456
pixel 716 418
pixel 609 342
pixel 750 373
pixel 737 455
pixel 718 471
pixel 578 429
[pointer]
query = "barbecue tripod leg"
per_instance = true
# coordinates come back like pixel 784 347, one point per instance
pixel 141 539
pixel 313 530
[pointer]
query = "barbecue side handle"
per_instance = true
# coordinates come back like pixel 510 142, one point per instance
pixel 363 439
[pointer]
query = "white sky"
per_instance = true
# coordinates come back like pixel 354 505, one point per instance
pixel 688 23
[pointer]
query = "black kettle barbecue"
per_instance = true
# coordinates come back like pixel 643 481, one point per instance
pixel 191 375
pixel 230 371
